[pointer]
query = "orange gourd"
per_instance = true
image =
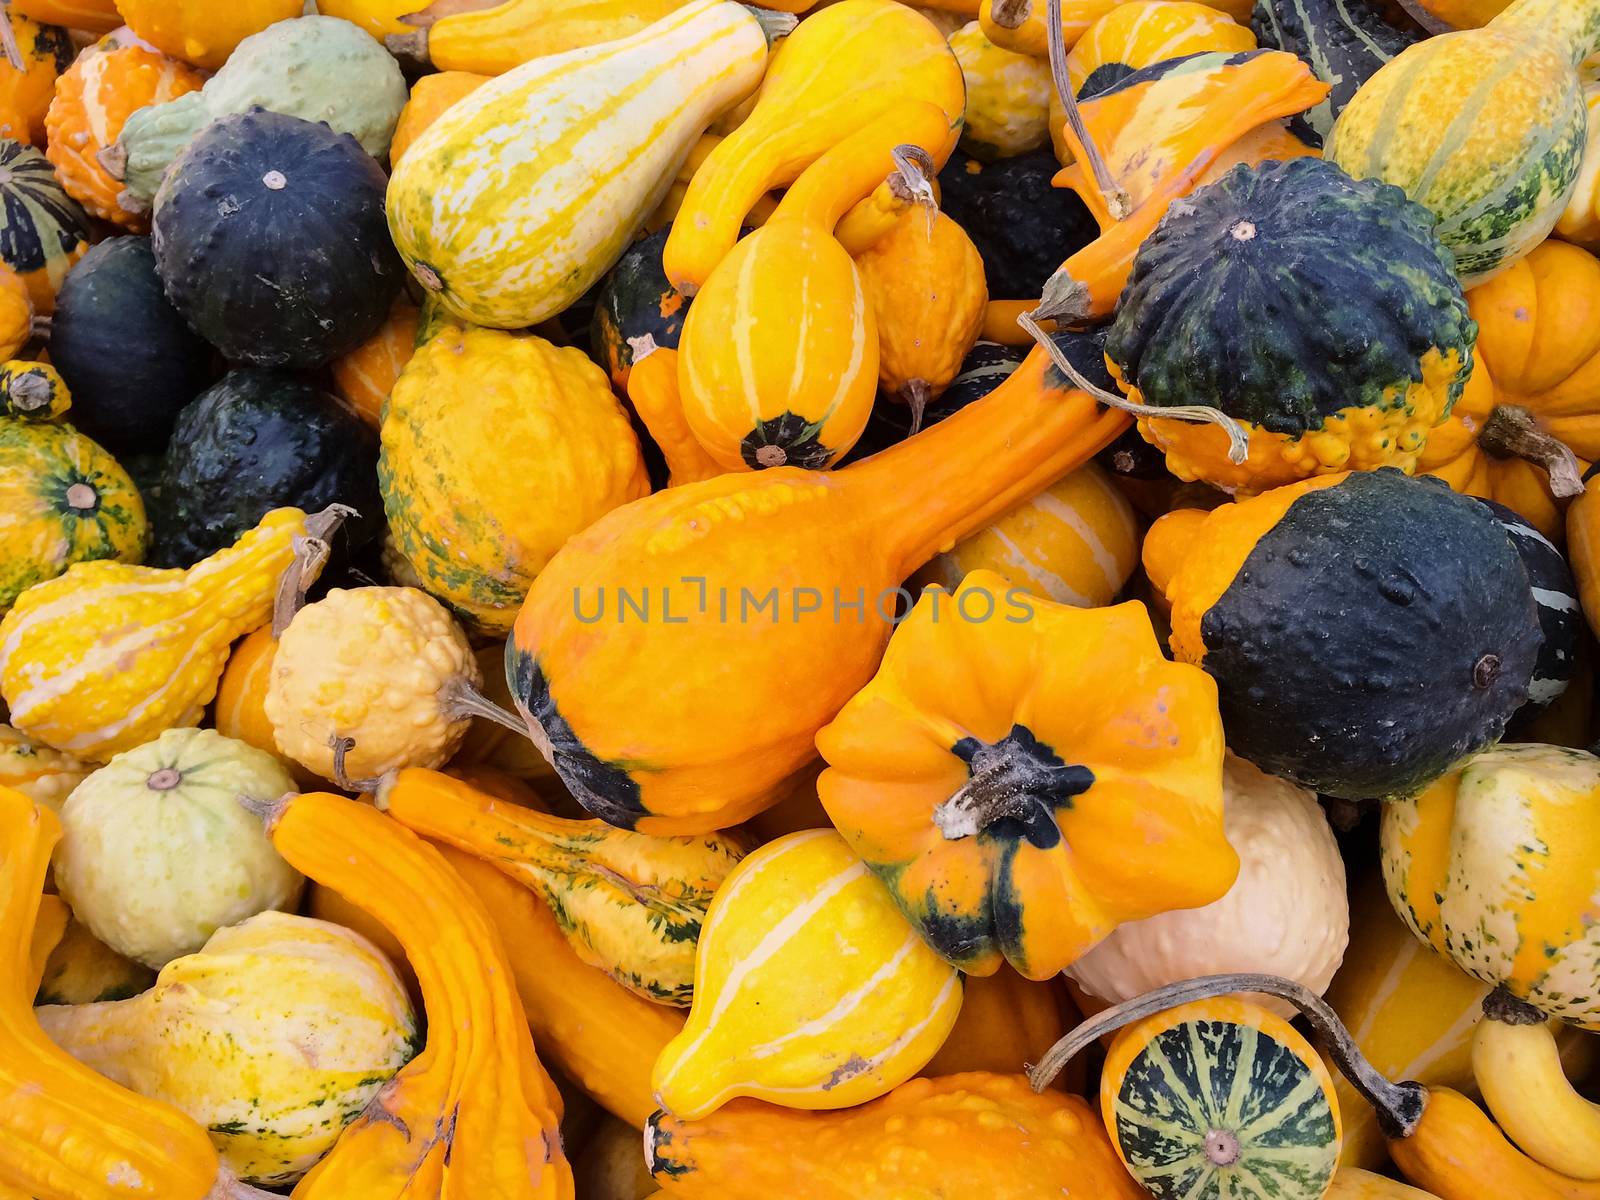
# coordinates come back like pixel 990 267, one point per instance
pixel 1019 25
pixel 778 362
pixel 844 67
pixel 729 715
pixel 93 100
pixel 929 297
pixel 473 1114
pixel 966 1135
pixel 25 91
pixel 1006 1022
pixel 653 391
pixel 430 96
pixel 1528 422
pixel 365 377
pixel 92 16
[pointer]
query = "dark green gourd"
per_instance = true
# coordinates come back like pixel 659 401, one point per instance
pixel 1344 42
pixel 637 310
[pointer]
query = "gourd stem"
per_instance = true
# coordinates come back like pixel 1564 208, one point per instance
pixel 774 25
pixel 1010 14
pixel 1005 783
pixel 311 553
pixel 1512 432
pixel 229 1188
pixel 342 746
pixel 1117 203
pixel 114 160
pixel 1500 1005
pixel 40 327
pixel 916 395
pixel 266 811
pixel 29 391
pixel 409 47
pixel 8 39
pixel 440 9
pixel 1398 1105
pixel 912 181
pixel 1426 19
pixel 461 698
pixel 1238 440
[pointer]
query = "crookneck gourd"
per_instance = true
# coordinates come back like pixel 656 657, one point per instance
pixel 93 16
pixel 600 130
pixel 474 1112
pixel 1368 381
pixel 108 655
pixel 543 446
pixel 66 1131
pixel 826 81
pixel 993 820
pixel 274 1035
pixel 1528 421
pixel 492 37
pixel 1416 636
pixel 725 721
pixel 1486 128
pixel 811 990
pixel 778 364
pixel 1020 25
pixel 628 903
pixel 961 1135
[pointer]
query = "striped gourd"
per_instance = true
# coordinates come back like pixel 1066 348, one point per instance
pixel 1486 127
pixel 1132 36
pixel 1076 542
pixel 108 655
pixel 811 990
pixel 42 229
pixel 1343 43
pixel 1218 1099
pixel 516 200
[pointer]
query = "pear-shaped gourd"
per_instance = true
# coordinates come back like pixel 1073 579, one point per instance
pixel 274 1035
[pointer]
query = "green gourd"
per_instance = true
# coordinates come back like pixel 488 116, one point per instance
pixel 314 68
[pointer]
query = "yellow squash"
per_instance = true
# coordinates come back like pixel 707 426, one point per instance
pixel 107 656
pixel 811 990
pixel 522 194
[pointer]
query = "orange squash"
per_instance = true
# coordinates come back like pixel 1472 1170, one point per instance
pixel 365 377
pixel 1006 1022
pixel 430 96
pixel 730 715
pixel 1019 25
pixel 26 91
pixel 92 16
pixel 93 100
pixel 653 391
pixel 778 361
pixel 1528 423
pixel 1132 36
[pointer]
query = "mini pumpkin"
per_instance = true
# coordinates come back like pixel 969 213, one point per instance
pixel 1025 775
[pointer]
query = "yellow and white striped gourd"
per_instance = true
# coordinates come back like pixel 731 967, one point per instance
pixel 1076 542
pixel 1580 223
pixel 516 200
pixel 811 990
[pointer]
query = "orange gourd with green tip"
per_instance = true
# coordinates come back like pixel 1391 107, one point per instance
pixel 730 715
pixel 843 67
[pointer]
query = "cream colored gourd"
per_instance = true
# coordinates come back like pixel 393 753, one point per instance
pixel 157 855
pixel 38 772
pixel 379 668
pixel 81 969
pixel 521 195
pixel 106 656
pixel 1285 915
pixel 811 990
pixel 274 1035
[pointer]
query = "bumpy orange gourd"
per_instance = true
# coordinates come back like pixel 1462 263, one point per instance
pixel 1025 776
pixel 960 1135
pixel 430 96
pixel 240 711
pixel 16 313
pixel 67 1133
pixel 653 391
pixel 926 284
pixel 203 32
pixel 1533 401
pixel 473 1114
pixel 778 362
pixel 365 377
pixel 728 715
pixel 93 100
pixel 829 78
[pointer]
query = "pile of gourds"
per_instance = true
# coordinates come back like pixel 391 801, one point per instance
pixel 672 598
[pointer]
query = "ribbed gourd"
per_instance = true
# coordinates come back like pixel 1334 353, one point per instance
pixel 314 68
pixel 544 447
pixel 156 854
pixel 274 1035
pixel 827 80
pixel 108 655
pixel 1485 127
pixel 112 80
pixel 1319 385
pixel 811 990
pixel 599 132
pixel 629 904
pixel 43 231
pixel 63 500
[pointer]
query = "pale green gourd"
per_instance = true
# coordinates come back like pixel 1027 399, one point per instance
pixel 314 68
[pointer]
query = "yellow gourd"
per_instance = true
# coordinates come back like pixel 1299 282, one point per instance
pixel 1352 1183
pixel 1008 96
pixel 811 990
pixel 1006 1021
pixel 368 680
pixel 490 37
pixel 274 1035
pixel 108 655
pixel 93 16
pixel 203 32
pixel 81 969
pixel 37 771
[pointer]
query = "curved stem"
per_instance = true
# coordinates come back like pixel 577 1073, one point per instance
pixel 1512 432
pixel 913 180
pixel 461 698
pixel 266 811
pixel 1238 439
pixel 342 746
pixel 916 395
pixel 1398 1105
pixel 774 25
pixel 311 553
pixel 1117 203
pixel 409 47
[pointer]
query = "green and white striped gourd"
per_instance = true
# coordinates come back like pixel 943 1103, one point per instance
pixel 1344 42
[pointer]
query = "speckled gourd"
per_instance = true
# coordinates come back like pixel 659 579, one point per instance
pixel 273 1035
pixel 507 238
pixel 314 68
pixel 108 655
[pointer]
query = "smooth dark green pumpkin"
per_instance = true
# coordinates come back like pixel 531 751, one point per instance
pixel 1285 293
pixel 1344 42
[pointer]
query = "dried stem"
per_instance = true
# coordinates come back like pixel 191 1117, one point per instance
pixel 1010 14
pixel 461 698
pixel 8 39
pixel 342 746
pixel 1117 202
pixel 1512 432
pixel 267 811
